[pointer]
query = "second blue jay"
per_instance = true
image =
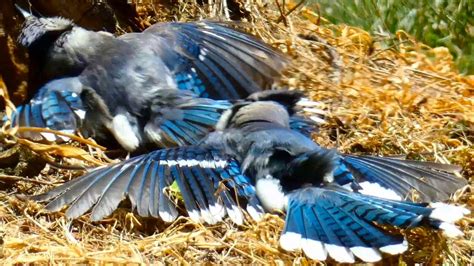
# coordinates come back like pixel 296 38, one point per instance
pixel 209 58
pixel 334 202
pixel 120 81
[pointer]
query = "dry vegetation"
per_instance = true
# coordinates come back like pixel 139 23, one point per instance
pixel 405 99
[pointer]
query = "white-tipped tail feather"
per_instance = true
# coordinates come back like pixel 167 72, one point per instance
pixel 290 241
pixel 395 248
pixel 49 136
pixel 448 213
pixel 314 249
pixel 217 211
pixel 168 217
pixel 366 254
pixel 450 230
pixel 207 217
pixel 195 216
pixel 254 213
pixel 67 131
pixel 317 119
pixel 305 102
pixel 314 110
pixel 339 253
pixel 80 113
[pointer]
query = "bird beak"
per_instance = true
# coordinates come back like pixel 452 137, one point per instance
pixel 23 12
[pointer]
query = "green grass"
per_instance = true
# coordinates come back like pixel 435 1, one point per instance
pixel 448 23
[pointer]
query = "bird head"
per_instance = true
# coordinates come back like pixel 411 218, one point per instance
pixel 37 29
pixel 287 98
pixel 245 113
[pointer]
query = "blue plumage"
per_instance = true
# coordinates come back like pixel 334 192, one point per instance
pixel 124 81
pixel 145 178
pixel 56 105
pixel 191 82
pixel 135 87
pixel 430 180
pixel 335 203
pixel 178 118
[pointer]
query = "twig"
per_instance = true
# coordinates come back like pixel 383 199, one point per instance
pixel 71 136
pixel 50 160
pixel 290 11
pixel 282 13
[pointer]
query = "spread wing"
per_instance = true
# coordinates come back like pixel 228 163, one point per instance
pixel 215 61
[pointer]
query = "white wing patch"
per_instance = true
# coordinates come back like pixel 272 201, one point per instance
pixel 193 162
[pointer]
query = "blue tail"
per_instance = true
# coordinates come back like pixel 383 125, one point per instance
pixel 340 223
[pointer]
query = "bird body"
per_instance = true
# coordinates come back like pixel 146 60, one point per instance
pixel 123 81
pixel 207 57
pixel 257 156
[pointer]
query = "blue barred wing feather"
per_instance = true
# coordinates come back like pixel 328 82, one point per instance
pixel 208 181
pixel 57 105
pixel 216 61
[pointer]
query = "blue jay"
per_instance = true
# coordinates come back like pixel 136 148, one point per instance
pixel 179 117
pixel 119 81
pixel 334 202
pixel 207 57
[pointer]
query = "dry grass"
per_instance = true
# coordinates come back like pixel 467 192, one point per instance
pixel 405 99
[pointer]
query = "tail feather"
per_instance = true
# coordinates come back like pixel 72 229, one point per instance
pixel 373 173
pixel 417 171
pixel 430 165
pixel 343 230
pixel 334 221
